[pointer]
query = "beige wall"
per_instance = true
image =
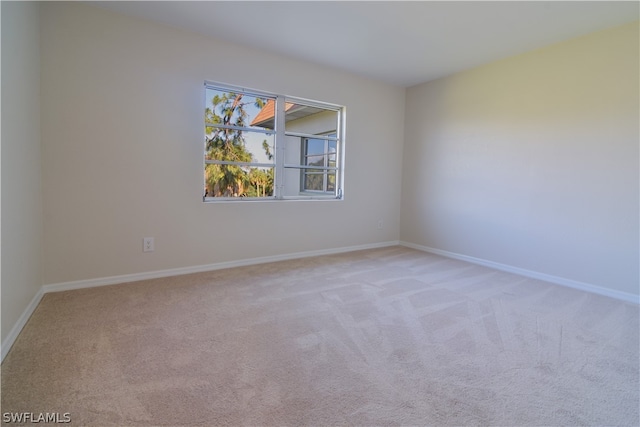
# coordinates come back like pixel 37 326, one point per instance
pixel 21 189
pixel 532 161
pixel 122 126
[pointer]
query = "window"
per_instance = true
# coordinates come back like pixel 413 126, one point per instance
pixel 263 146
pixel 322 154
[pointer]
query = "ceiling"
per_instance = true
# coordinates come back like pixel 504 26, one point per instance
pixel 401 43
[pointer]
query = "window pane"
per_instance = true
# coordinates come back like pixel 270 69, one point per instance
pixel 294 150
pixel 236 181
pixel 307 182
pixel 261 181
pixel 315 146
pixel 309 120
pixel 314 161
pixel 331 182
pixel 239 146
pixel 314 181
pixel 238 109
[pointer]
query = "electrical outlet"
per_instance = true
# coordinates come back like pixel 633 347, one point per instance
pixel 148 244
pixel 380 224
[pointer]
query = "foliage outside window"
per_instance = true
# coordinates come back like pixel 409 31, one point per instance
pixel 263 146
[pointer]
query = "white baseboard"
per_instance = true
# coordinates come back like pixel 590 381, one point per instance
pixel 125 278
pixel 619 295
pixel 22 320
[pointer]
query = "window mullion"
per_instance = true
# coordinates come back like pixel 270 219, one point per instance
pixel 280 146
pixel 325 163
pixel 228 162
pixel 322 168
pixel 312 136
pixel 240 128
pixel 341 132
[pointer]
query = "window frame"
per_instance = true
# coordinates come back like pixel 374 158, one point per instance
pixel 280 134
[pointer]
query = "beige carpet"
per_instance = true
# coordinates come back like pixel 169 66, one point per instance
pixel 382 337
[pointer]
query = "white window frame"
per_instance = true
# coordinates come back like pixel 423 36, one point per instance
pixel 280 146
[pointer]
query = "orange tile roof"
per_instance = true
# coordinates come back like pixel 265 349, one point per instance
pixel 268 112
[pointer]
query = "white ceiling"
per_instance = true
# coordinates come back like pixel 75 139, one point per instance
pixel 402 43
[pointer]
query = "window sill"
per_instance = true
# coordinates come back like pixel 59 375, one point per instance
pixel 216 200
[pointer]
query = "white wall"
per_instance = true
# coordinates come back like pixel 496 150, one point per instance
pixel 532 161
pixel 122 127
pixel 21 159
